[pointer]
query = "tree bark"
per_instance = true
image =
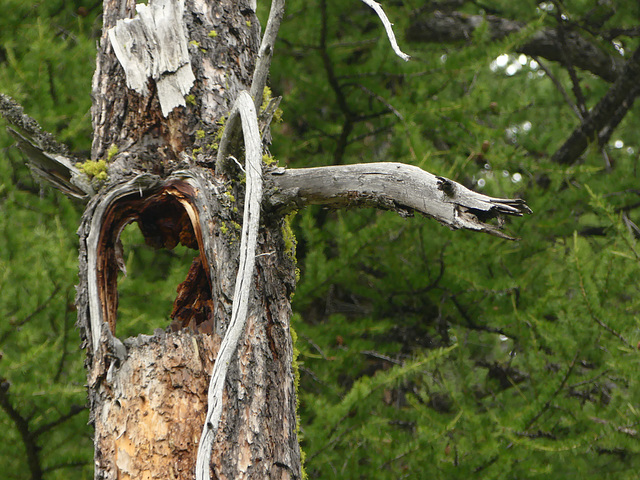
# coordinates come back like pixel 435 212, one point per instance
pixel 604 117
pixel 148 396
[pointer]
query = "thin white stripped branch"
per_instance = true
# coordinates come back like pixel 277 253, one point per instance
pixel 251 219
pixel 265 53
pixel 388 26
pixel 259 80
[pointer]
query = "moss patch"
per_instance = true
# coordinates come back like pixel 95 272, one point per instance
pixel 94 169
pixel 267 95
pixel 289 237
pixel 113 151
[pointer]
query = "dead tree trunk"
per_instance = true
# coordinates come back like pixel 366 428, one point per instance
pixel 168 75
pixel 164 82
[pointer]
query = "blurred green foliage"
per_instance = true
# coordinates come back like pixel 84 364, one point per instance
pixel 426 353
pixel 47 55
pixel 423 352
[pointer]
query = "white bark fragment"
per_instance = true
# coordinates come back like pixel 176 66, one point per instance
pixel 153 45
pixel 244 106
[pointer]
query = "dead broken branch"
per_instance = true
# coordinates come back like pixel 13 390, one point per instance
pixel 392 186
pixel 48 160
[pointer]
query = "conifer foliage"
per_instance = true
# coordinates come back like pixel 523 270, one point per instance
pixel 421 352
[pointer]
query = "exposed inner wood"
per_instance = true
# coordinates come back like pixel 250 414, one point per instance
pixel 158 407
pixel 193 307
pixel 166 218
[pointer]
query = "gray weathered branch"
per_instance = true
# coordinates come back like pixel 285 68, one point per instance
pixel 258 82
pixel 49 160
pixel 446 27
pixel 392 186
pixel 265 53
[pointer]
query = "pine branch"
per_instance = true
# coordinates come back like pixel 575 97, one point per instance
pixel 449 27
pixel 22 425
pixel 73 411
pixel 15 325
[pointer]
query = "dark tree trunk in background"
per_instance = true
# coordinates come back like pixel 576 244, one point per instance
pixel 148 398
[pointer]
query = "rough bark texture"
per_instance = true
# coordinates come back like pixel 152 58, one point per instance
pixel 222 64
pixel 149 411
pixel 148 396
pixel 258 434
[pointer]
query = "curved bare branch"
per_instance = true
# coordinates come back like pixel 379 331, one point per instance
pixel 388 26
pixel 251 219
pixel 265 53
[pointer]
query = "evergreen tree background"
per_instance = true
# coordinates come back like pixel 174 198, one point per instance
pixel 421 351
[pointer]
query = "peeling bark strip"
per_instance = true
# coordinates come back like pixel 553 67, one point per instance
pixel 101 261
pixel 154 45
pixel 222 41
pixel 250 223
pixel 166 213
pixel 392 186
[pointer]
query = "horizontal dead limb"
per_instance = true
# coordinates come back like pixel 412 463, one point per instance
pixel 546 43
pixel 391 186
